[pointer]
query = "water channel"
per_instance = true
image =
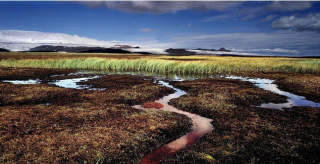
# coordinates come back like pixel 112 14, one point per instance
pixel 201 125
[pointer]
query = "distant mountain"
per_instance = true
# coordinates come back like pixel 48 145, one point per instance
pixel 104 50
pixel 221 49
pixel 50 48
pixel 203 49
pixel 79 49
pixel 128 49
pixel 180 51
pixel 4 50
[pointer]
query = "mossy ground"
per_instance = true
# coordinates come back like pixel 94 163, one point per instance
pixel 82 126
pixel 244 133
pixel 100 126
pixel 308 85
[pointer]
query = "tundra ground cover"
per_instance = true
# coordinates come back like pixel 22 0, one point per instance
pixel 309 85
pixel 41 123
pixel 243 133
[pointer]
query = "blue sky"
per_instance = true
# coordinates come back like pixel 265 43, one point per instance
pixel 255 27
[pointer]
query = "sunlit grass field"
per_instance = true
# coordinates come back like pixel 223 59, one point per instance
pixel 163 63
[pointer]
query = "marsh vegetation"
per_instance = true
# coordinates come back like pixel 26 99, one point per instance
pixel 164 64
pixel 42 123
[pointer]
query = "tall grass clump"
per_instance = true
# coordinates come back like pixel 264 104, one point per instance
pixel 163 64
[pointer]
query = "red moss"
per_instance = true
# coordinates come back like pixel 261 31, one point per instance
pixel 152 105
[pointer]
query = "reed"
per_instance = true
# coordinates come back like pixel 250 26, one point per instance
pixel 178 65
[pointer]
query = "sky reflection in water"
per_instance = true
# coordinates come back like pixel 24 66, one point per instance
pixel 267 84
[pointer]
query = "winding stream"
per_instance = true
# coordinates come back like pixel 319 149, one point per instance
pixel 201 125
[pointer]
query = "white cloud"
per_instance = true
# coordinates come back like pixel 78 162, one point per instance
pixel 145 29
pixel 16 36
pixel 310 22
pixel 249 13
pixel 150 50
pixel 249 17
pixel 284 42
pixel 218 18
pixel 268 18
pixel 23 40
pixel 285 51
pixel 277 42
pixel 16 40
pixel 160 7
pixel 277 50
pixel 289 6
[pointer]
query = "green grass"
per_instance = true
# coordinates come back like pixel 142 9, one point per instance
pixel 178 65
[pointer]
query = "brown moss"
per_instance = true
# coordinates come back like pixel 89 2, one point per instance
pixel 80 126
pixel 118 82
pixel 208 96
pixel 26 73
pixel 243 133
pixel 303 84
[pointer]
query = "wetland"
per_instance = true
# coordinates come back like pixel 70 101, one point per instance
pixel 76 115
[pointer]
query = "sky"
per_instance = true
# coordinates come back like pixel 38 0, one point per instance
pixel 257 27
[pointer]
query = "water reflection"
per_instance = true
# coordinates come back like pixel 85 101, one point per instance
pixel 168 76
pixel 73 83
pixel 30 81
pixel 267 84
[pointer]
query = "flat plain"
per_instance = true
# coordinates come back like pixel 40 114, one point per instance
pixel 43 123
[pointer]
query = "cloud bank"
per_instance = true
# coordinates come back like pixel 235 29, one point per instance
pixel 17 40
pixel 145 29
pixel 16 36
pixel 281 42
pixel 288 6
pixel 310 22
pixel 161 7
pixel 268 18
